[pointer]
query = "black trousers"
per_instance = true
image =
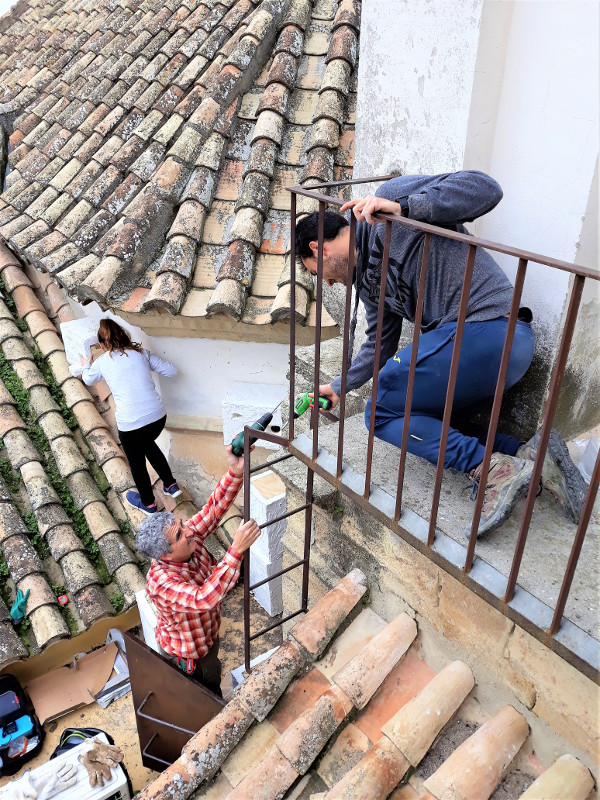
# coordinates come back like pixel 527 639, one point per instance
pixel 139 445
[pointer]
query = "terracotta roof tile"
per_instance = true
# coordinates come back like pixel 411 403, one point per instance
pixel 290 39
pixel 85 237
pixel 204 49
pixel 44 246
pixel 84 179
pixel 566 779
pixel 168 291
pixel 489 751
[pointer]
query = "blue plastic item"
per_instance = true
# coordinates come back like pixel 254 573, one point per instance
pixel 18 727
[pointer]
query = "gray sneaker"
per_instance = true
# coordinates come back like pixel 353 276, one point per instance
pixel 508 478
pixel 560 476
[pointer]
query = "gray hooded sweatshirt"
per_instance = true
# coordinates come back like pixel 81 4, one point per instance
pixel 448 201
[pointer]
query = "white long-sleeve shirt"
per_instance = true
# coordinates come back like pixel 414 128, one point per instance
pixel 129 377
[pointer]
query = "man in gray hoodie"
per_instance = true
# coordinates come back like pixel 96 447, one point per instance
pixel 447 200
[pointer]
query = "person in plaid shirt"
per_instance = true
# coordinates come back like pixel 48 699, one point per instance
pixel 187 585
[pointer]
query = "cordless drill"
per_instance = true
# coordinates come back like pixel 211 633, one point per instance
pixel 261 424
pixel 304 403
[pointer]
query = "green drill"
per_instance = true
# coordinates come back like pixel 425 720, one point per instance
pixel 303 404
pixel 261 424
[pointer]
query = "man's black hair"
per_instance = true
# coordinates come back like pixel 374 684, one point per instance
pixel 307 231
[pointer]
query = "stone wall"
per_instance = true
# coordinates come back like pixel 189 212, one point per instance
pixel 510 666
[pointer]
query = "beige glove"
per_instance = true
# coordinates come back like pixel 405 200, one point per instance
pixel 98 759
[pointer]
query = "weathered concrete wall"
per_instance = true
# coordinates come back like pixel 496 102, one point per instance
pixel 478 85
pixel 417 63
pixel 578 406
pixel 560 704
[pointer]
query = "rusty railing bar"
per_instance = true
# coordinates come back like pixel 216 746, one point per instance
pixel 498 247
pixel 314 414
pixel 346 183
pixel 246 517
pixel 411 373
pixel 269 437
pixel 292 316
pixel 458 336
pixel 149 755
pixel 270 463
pixel 277 575
pixel 380 309
pixel 346 343
pixel 576 549
pixel 284 516
pixel 493 424
pixel 276 625
pixel 555 383
pixel 157 720
pixel 310 476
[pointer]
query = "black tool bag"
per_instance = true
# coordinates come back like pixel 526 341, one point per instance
pixel 21 734
pixel 72 737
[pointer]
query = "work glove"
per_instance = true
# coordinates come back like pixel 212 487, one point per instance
pixel 98 759
pixel 42 787
pixel 48 785
pixel 17 612
pixel 21 789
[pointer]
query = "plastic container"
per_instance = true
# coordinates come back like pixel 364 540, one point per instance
pixel 588 459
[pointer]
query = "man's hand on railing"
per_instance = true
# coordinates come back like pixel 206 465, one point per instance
pixel 327 392
pixel 364 208
pixel 245 536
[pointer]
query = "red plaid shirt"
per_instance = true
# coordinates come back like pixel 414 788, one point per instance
pixel 188 595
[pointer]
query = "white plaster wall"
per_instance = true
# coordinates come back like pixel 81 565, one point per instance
pixel 509 88
pixel 205 368
pixel 416 68
pixel 545 136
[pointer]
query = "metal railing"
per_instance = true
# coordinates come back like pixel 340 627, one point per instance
pixel 572 643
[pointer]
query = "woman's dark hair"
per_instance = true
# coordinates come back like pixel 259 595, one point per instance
pixel 307 231
pixel 114 337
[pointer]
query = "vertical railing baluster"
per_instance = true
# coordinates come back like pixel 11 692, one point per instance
pixel 377 361
pixel 307 536
pixel 314 419
pixel 411 372
pixel 292 316
pixel 246 485
pixel 349 281
pixel 460 327
pixel 584 521
pixel 493 425
pixel 555 383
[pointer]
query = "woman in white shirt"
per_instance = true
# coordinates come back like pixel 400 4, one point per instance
pixel 140 413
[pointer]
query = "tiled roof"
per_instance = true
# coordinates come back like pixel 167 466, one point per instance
pixel 63 478
pixel 152 143
pixel 355 716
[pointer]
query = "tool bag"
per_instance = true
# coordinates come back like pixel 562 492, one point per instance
pixel 21 734
pixel 72 737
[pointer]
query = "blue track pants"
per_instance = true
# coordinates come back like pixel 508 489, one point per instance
pixel 478 369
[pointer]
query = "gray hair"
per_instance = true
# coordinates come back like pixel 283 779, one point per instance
pixel 151 537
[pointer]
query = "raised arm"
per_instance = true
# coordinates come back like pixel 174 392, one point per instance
pixel 208 518
pixel 162 367
pixel 448 199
